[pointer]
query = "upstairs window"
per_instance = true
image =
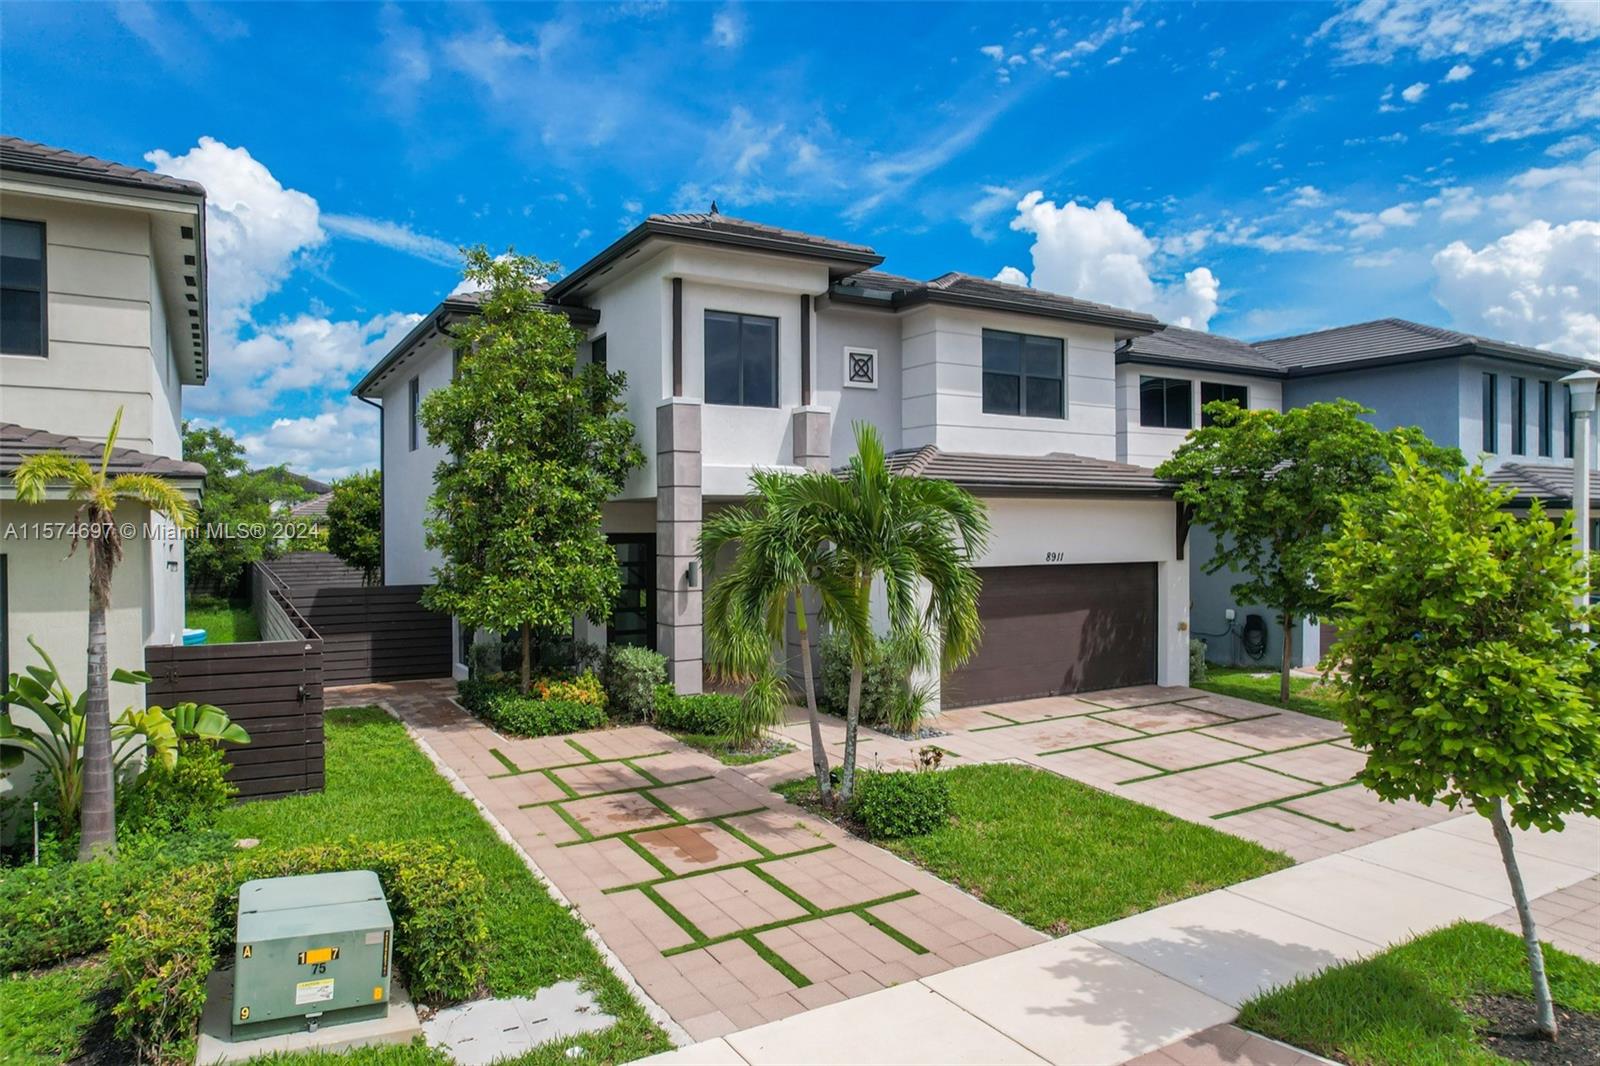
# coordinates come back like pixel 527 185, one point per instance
pixel 1491 413
pixel 1166 403
pixel 1214 392
pixel 741 359
pixel 414 405
pixel 597 351
pixel 1546 421
pixel 1023 375
pixel 22 293
pixel 1519 416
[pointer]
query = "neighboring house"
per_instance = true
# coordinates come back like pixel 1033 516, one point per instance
pixel 314 512
pixel 103 274
pixel 1499 403
pixel 747 346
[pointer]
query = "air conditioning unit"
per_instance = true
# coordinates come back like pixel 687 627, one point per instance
pixel 310 951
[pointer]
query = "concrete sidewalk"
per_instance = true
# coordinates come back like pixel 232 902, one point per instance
pixel 1135 986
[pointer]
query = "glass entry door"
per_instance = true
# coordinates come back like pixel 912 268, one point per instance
pixel 633 617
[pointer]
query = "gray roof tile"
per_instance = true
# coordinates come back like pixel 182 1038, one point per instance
pixel 726 224
pixel 1177 346
pixel 1389 339
pixel 1549 484
pixel 19 442
pixel 1044 475
pixel 891 290
pixel 34 158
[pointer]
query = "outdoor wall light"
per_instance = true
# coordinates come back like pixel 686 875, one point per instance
pixel 692 574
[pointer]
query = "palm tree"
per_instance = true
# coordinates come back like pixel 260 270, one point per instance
pixel 918 536
pixel 781 552
pixel 98 495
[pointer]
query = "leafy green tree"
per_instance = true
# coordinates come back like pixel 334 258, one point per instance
pixel 535 446
pixel 916 539
pixel 99 495
pixel 760 559
pixel 236 499
pixel 1273 486
pixel 355 523
pixel 1468 677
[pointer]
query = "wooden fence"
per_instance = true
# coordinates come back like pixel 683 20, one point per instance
pixel 273 688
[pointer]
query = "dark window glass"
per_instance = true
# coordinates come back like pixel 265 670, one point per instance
pixel 1212 392
pixel 1166 403
pixel 1519 416
pixel 741 358
pixel 1546 421
pixel 1023 375
pixel 597 351
pixel 415 404
pixel 1491 413
pixel 22 295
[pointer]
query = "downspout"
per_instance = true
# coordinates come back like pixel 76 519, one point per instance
pixel 383 497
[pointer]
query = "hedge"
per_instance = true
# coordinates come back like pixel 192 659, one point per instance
pixel 707 713
pixel 500 705
pixel 901 803
pixel 160 957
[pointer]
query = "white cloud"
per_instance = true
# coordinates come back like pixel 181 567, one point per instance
pixel 727 27
pixel 340 440
pixel 394 235
pixel 1578 142
pixel 256 229
pixel 996 52
pixel 1552 101
pixel 1212 95
pixel 995 199
pixel 1365 225
pixel 1538 285
pixel 1414 92
pixel 1375 260
pixel 1010 275
pixel 1097 253
pixel 1376 31
pixel 1459 72
pixel 1309 196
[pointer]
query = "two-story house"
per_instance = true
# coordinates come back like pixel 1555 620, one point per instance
pixel 747 346
pixel 1501 404
pixel 102 306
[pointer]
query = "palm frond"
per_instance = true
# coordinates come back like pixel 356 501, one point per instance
pixel 35 473
pixel 156 493
pixel 111 443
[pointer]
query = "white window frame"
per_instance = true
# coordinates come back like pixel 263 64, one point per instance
pixel 851 349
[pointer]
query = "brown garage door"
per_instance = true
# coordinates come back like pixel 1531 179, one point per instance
pixel 1049 630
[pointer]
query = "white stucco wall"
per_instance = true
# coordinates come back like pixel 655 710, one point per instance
pixel 407 474
pixel 1151 445
pixel 840 327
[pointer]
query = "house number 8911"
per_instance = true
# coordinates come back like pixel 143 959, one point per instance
pixel 1055 557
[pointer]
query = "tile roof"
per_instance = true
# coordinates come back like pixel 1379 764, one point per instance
pixel 1023 475
pixel 35 158
pixel 316 507
pixel 1388 339
pixel 19 442
pixel 719 223
pixel 891 290
pixel 1551 485
pixel 1191 347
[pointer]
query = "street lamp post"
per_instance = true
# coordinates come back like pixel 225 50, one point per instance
pixel 1582 390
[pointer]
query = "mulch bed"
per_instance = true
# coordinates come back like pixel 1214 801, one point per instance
pixel 1508 1032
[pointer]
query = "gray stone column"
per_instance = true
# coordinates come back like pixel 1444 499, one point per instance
pixel 812 433
pixel 679 610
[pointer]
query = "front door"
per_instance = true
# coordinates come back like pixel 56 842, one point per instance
pixel 633 617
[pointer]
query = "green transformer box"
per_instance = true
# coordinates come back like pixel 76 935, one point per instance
pixel 311 951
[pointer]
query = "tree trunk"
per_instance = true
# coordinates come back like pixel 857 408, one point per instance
pixel 1288 660
pixel 847 773
pixel 1530 935
pixel 527 659
pixel 98 814
pixel 819 754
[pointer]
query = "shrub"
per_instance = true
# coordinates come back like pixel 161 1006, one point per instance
pixel 631 676
pixel 709 713
pixel 901 803
pixel 185 796
pixel 1197 661
pixel 161 956
pixel 879 680
pixel 503 707
pixel 585 688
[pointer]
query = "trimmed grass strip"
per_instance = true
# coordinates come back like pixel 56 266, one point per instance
pixel 753 844
pixel 650 777
pixel 577 827
pixel 585 752
pixel 645 854
pixel 782 923
pixel 665 825
pixel 571 792
pixel 709 869
pixel 1281 799
pixel 791 894
pixel 700 939
pixel 777 962
pixel 500 757
pixel 891 932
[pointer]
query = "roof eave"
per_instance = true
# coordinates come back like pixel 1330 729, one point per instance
pixel 1125 325
pixel 849 262
pixel 1179 362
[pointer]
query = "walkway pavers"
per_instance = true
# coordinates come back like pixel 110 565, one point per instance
pixel 1228 1045
pixel 730 907
pixel 1569 918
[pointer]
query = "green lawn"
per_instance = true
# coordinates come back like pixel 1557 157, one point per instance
pixel 1306 694
pixel 44 1016
pixel 225 621
pixel 1404 1006
pixel 381 787
pixel 1062 856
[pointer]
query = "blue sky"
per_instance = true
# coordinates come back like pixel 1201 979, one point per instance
pixel 1254 169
